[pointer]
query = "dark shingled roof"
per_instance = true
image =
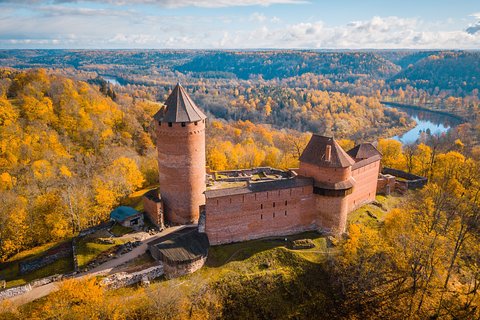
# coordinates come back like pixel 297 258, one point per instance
pixel 179 107
pixel 363 151
pixel 315 153
pixel 182 246
pixel 342 185
pixel 261 187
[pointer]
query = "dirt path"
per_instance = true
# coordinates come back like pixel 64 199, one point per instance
pixel 103 269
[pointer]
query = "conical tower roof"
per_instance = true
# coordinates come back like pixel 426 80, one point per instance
pixel 316 153
pixel 179 107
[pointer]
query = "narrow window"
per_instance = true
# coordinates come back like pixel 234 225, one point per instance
pixel 196 123
pixel 160 123
pixel 217 202
pixel 261 217
pixel 183 124
pixel 255 196
pixel 286 202
pixel 285 213
pixel 170 124
pixel 261 206
pixel 230 200
pixel 243 198
pixel 274 214
pixel 274 204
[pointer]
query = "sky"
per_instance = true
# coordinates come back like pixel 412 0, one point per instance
pixel 240 24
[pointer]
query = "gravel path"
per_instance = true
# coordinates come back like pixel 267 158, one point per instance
pixel 103 269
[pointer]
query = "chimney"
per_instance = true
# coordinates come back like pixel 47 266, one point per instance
pixel 328 153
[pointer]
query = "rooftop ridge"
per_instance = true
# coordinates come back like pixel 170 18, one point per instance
pixel 179 107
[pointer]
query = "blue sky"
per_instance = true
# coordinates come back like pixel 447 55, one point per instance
pixel 225 24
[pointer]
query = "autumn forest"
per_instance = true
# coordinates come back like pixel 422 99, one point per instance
pixel 76 140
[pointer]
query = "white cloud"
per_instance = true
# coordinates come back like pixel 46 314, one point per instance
pixel 258 17
pixel 85 29
pixel 172 3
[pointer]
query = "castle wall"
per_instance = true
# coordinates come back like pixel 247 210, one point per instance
pixel 233 218
pixel 365 188
pixel 332 213
pixel 181 163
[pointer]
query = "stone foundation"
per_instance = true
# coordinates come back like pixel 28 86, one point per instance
pixel 123 279
pixel 178 270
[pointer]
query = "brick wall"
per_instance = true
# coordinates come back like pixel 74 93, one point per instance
pixel 248 216
pixel 181 164
pixel 365 188
pixel 154 209
pixel 326 174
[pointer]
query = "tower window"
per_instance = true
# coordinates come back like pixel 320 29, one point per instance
pixel 286 202
pixel 196 123
pixel 285 213
pixel 274 204
pixel 183 124
pixel 170 124
pixel 261 217
pixel 261 206
pixel 274 214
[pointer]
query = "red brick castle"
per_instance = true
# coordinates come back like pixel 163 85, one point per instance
pixel 328 185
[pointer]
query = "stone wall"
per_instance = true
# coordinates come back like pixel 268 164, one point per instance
pixel 52 255
pixel 123 279
pixel 13 292
pixel 105 225
pixel 178 270
pixel 19 290
pixel 412 181
pixel 233 218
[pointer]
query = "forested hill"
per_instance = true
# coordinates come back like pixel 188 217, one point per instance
pixel 454 72
pixel 283 64
pixel 458 71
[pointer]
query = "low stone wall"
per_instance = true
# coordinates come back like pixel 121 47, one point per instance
pixel 52 255
pixel 91 230
pixel 15 291
pixel 178 270
pixel 412 181
pixel 123 279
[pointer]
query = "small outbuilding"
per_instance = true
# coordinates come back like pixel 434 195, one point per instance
pixel 127 217
pixel 181 252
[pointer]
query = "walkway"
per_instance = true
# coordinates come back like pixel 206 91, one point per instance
pixel 103 269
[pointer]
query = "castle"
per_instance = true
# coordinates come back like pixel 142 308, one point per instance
pixel 328 184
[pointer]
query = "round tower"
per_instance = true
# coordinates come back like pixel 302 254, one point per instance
pixel 180 131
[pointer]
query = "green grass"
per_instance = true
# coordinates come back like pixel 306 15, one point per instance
pixel 119 230
pixel 362 216
pixel 88 247
pixel 10 270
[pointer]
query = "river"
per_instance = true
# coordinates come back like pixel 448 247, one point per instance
pixel 427 121
pixel 112 80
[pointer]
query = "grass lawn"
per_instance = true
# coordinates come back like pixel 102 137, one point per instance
pixel 88 248
pixel 10 270
pixel 252 263
pixel 119 230
pixel 365 214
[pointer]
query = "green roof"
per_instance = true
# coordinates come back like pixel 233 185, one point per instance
pixel 123 212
